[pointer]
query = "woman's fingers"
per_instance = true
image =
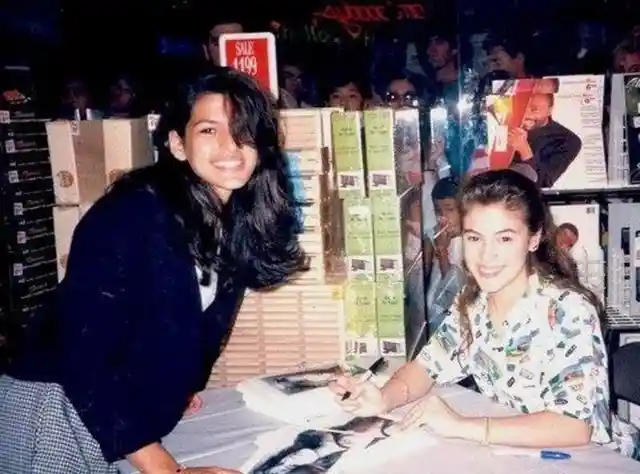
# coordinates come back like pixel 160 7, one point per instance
pixel 343 384
pixel 413 418
pixel 350 406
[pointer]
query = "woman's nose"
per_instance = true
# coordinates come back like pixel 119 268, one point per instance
pixel 488 253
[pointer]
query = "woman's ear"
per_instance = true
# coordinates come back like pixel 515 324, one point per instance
pixel 534 241
pixel 176 145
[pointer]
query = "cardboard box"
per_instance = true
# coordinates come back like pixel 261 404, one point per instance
pixel 87 156
pixel 65 220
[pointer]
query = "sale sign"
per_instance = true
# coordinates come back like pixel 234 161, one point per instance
pixel 254 54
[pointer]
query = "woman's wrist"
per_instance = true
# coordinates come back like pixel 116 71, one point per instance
pixel 395 393
pixel 154 459
pixel 476 429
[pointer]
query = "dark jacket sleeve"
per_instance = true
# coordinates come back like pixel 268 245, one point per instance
pixel 557 147
pixel 221 318
pixel 96 307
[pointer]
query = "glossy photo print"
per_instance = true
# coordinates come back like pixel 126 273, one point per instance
pixel 310 379
pixel 317 451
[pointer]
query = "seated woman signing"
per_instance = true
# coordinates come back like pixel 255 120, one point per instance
pixel 523 326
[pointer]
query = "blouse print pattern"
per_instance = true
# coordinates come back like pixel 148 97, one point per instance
pixel 534 364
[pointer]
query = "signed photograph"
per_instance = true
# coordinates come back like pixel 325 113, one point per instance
pixel 316 451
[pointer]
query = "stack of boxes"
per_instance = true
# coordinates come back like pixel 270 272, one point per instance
pixel 359 291
pixel 301 322
pixel 26 193
pixel 378 165
pixel 361 208
pixel 86 157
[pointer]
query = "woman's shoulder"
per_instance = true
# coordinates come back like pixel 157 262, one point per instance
pixel 126 207
pixel 565 297
pixel 568 307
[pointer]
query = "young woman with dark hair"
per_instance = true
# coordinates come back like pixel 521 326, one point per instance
pixel 523 326
pixel 155 276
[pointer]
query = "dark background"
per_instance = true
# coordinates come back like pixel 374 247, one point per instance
pixel 156 40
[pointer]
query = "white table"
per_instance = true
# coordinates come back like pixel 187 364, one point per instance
pixel 223 432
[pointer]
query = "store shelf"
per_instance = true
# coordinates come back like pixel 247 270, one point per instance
pixel 619 321
pixel 609 192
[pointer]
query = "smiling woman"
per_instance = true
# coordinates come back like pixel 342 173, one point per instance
pixel 523 326
pixel 155 276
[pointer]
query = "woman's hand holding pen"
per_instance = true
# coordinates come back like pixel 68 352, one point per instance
pixel 365 398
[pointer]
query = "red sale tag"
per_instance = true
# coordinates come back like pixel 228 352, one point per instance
pixel 254 54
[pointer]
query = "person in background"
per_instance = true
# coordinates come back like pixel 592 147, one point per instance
pixel 156 273
pixel 77 103
pixel 626 55
pixel 505 55
pixel 123 101
pixel 211 46
pixel 417 250
pixel 401 93
pixel 446 274
pixel 346 92
pixel 523 326
pixel 459 138
pixel 292 91
pixel 567 236
pixel 442 55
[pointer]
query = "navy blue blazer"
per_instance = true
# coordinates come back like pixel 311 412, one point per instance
pixel 126 336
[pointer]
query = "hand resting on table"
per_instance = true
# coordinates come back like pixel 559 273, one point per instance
pixel 367 400
pixel 433 413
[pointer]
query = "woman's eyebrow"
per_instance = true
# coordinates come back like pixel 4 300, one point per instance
pixel 207 122
pixel 502 231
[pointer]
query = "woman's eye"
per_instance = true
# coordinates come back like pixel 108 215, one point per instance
pixel 208 131
pixel 505 239
pixel 472 238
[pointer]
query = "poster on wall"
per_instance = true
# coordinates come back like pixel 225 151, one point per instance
pixel 550 129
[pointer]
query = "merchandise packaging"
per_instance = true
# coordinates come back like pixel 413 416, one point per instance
pixel 623 265
pixel 26 200
pixel 578 233
pixel 549 129
pixel 302 322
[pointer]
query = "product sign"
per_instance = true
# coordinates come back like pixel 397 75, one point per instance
pixel 254 54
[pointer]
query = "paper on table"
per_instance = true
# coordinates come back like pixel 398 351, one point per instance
pixel 359 443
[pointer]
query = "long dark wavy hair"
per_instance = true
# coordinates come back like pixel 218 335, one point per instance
pixel 253 235
pixel 553 265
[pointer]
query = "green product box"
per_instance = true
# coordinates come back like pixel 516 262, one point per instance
pixel 347 153
pixel 387 237
pixel 358 238
pixel 360 317
pixel 391 317
pixel 379 144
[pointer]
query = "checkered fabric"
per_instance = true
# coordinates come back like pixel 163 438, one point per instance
pixel 41 432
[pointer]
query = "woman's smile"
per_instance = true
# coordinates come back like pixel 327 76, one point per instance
pixel 489 272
